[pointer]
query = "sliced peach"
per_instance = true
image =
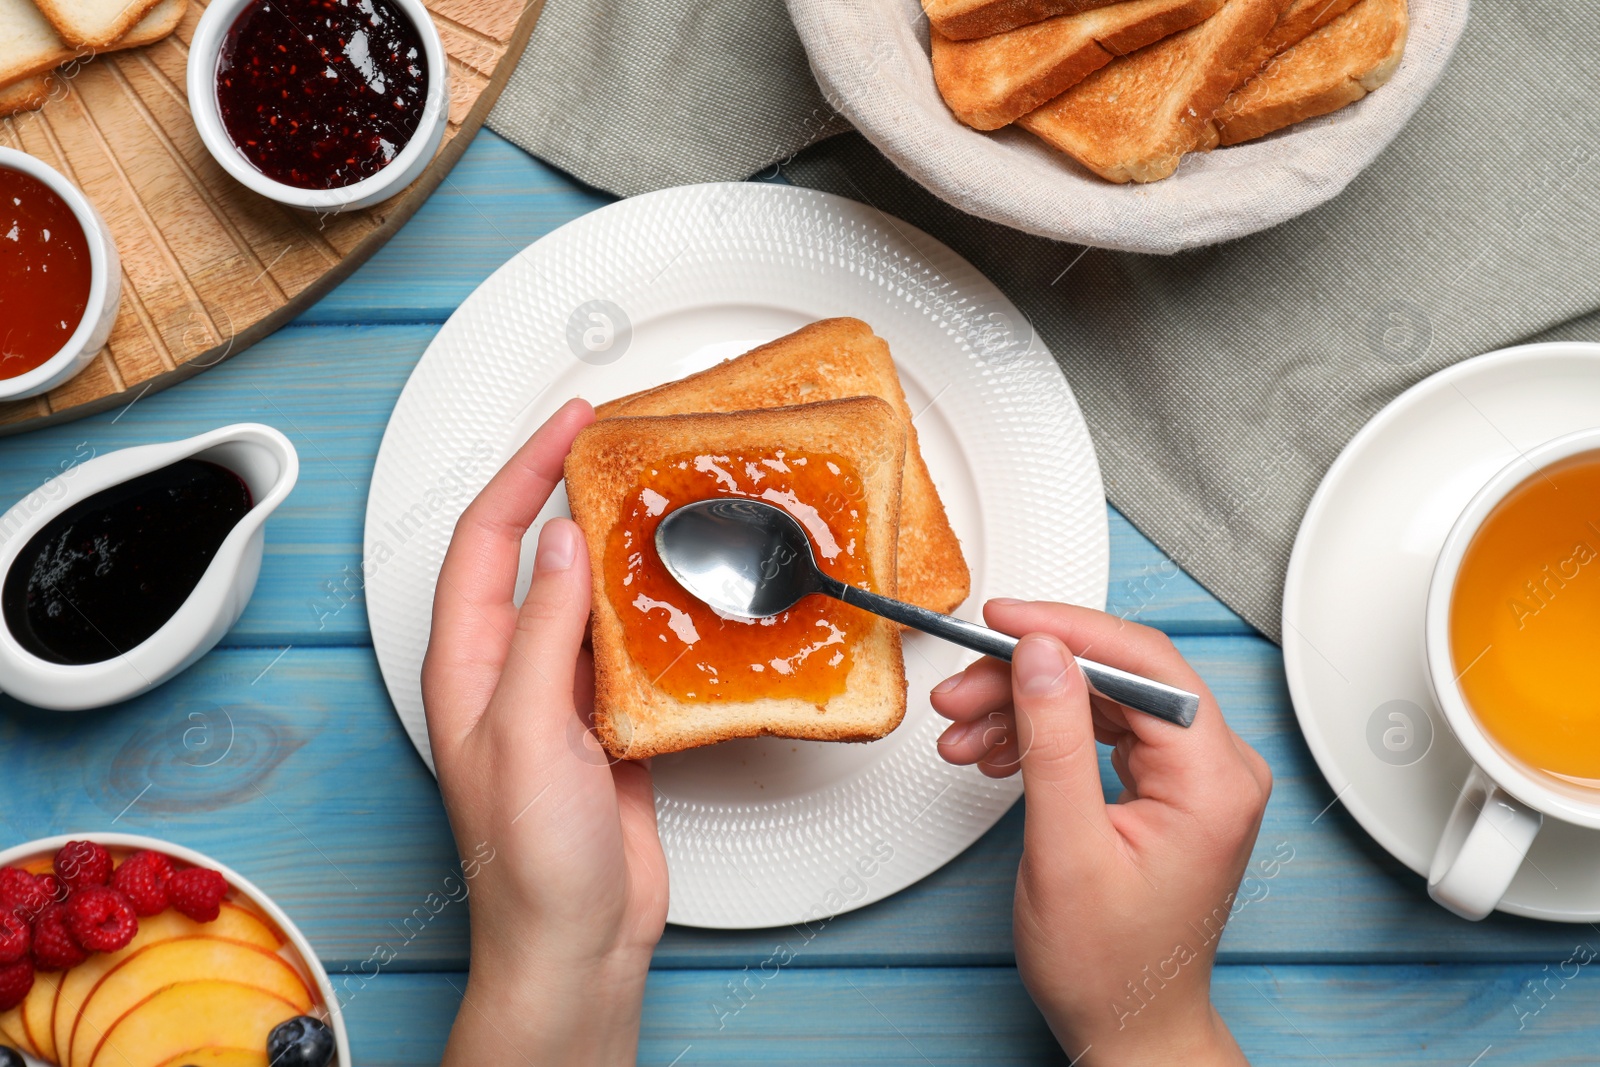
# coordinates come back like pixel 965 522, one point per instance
pixel 192 1015
pixel 233 923
pixel 184 960
pixel 220 1057
pixel 36 1013
pixel 15 1033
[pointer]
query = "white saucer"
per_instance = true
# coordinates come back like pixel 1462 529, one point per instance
pixel 1354 599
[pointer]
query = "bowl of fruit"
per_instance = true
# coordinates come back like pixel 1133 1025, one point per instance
pixel 124 951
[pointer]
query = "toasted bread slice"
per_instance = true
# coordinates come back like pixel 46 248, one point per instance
pixel 991 81
pixel 830 360
pixel 1300 20
pixel 29 45
pixel 1133 119
pixel 27 94
pixel 1337 65
pixel 94 24
pixel 964 20
pixel 634 716
pixel 157 23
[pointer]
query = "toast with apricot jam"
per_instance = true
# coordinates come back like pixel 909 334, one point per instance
pixel 670 673
pixel 830 360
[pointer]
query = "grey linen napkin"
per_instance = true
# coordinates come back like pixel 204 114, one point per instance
pixel 1220 383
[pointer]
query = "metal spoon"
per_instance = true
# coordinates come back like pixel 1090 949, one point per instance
pixel 751 559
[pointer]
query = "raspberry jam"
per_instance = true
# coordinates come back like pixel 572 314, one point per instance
pixel 44 272
pixel 694 654
pixel 107 572
pixel 320 94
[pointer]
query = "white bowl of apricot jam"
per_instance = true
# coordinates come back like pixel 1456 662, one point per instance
pixel 186 961
pixel 60 278
pixel 323 105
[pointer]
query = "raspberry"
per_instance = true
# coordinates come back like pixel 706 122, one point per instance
pixel 21 893
pixel 142 878
pixel 100 919
pixel 197 893
pixel 15 981
pixel 54 888
pixel 53 947
pixel 16 937
pixel 81 863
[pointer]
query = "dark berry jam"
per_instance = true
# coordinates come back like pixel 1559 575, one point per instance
pixel 320 94
pixel 107 573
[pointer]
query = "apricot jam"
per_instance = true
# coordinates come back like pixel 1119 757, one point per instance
pixel 44 272
pixel 695 654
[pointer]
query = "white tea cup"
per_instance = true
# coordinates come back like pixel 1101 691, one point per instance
pixel 1504 801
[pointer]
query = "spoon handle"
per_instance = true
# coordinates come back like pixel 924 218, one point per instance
pixel 1154 698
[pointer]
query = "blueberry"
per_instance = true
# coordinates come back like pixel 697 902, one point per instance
pixel 10 1057
pixel 300 1042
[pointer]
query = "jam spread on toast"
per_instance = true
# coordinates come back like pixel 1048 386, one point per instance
pixel 694 654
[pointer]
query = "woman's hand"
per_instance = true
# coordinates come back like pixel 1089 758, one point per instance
pixel 1118 907
pixel 568 884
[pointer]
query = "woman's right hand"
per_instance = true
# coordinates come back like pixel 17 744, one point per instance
pixel 1119 907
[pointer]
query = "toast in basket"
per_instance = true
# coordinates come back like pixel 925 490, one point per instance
pixel 1337 65
pixel 670 673
pixel 1134 119
pixel 992 81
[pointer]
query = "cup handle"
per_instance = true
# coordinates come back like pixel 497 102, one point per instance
pixel 1484 843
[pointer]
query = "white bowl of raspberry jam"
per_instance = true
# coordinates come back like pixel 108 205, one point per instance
pixel 343 111
pixel 247 905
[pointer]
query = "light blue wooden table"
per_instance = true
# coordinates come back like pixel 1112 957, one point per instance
pixel 280 755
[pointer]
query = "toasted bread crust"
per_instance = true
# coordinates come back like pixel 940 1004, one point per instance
pixel 157 23
pixel 991 81
pixel 1337 65
pixel 98 30
pixel 24 95
pixel 1300 20
pixel 1135 118
pixel 633 718
pixel 829 360
pixel 963 20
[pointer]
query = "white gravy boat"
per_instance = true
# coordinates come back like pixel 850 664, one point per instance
pixel 259 455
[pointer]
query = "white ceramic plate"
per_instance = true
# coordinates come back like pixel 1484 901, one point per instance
pixel 1357 586
pixel 304 955
pixel 871 59
pixel 760 832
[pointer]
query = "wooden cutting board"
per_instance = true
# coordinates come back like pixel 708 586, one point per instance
pixel 209 267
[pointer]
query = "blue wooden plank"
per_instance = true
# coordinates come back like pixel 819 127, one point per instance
pixel 321 800
pixel 496 202
pixel 291 770
pixel 1539 1011
pixel 1148 586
